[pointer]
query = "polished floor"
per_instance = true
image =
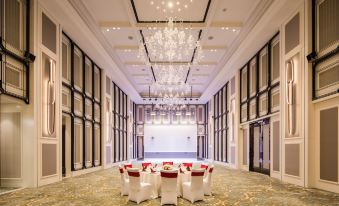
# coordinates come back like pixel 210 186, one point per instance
pixel 230 187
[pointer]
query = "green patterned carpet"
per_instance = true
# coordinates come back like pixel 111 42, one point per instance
pixel 230 187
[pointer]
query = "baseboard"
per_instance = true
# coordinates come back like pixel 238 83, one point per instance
pixel 86 171
pixel 11 182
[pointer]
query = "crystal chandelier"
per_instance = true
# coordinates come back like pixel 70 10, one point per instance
pixel 170 74
pixel 164 90
pixel 171 44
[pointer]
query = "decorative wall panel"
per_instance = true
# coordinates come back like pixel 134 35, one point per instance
pixel 329 127
pixel 292 159
pixel 49 159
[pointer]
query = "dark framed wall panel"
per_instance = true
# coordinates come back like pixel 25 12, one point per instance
pixel 14 48
pixel 81 100
pixel 119 113
pixel 259 82
pixel 325 48
pixel 221 134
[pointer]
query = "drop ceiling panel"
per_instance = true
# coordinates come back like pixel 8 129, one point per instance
pixel 105 10
pixel 161 10
pixel 121 36
pixel 239 10
pixel 223 36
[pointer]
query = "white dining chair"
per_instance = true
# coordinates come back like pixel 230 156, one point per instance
pixel 138 191
pixel 169 181
pixel 193 190
pixel 207 182
pixel 124 182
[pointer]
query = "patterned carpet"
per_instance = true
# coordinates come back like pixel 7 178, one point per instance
pixel 230 187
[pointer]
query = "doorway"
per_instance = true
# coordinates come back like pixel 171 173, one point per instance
pixel 260 147
pixel 140 147
pixel 200 147
pixel 66 145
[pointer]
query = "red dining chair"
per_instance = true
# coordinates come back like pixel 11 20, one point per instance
pixel 208 182
pixel 138 191
pixel 193 190
pixel 169 181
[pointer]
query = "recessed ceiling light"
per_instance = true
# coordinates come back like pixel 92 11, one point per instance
pixel 178 2
pixel 185 6
pixel 179 9
pixel 233 30
pixel 158 7
pixel 107 29
pixel 170 4
pixel 164 10
pixel 227 28
pixel 162 2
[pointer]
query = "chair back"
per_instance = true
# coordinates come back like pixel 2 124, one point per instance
pixel 169 180
pixel 145 164
pixel 128 165
pixel 134 178
pixel 167 163
pixel 197 177
pixel 187 164
pixel 209 175
pixel 122 174
pixel 204 166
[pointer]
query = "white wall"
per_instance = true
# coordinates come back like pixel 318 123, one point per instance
pixel 170 138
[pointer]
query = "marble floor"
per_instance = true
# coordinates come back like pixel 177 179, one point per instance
pixel 230 187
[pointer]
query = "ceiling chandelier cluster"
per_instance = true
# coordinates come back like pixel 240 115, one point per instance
pixel 165 108
pixel 174 50
pixel 170 91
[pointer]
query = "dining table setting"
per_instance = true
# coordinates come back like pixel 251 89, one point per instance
pixel 167 180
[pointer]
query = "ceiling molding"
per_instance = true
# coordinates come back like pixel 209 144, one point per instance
pixel 221 24
pixel 127 25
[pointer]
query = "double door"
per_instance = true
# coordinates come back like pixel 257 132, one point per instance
pixel 260 147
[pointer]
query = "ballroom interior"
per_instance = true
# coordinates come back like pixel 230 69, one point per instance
pixel 153 102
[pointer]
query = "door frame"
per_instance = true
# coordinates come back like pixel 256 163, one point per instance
pixel 259 124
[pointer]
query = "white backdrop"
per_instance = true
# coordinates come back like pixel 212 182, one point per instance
pixel 170 138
